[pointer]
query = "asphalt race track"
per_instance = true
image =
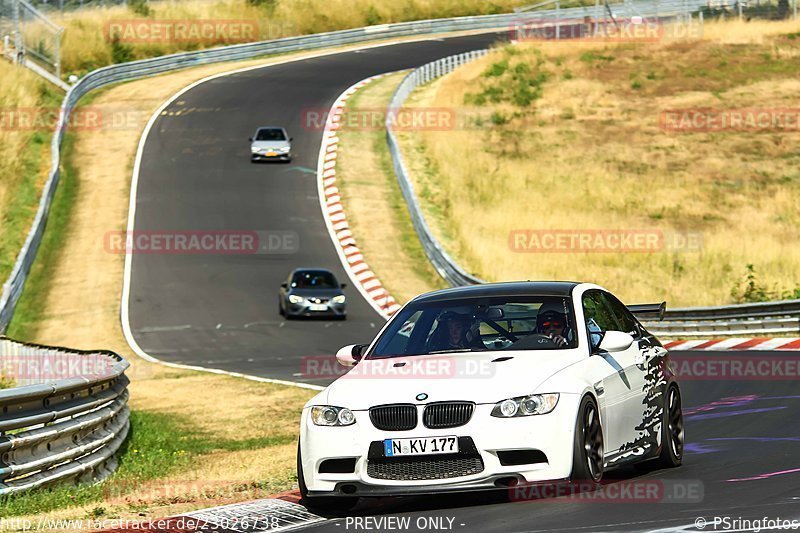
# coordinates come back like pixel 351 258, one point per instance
pixel 220 310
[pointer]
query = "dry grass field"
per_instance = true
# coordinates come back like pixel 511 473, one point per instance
pixel 88 42
pixel 569 138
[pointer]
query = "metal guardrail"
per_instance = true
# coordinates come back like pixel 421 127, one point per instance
pixel 745 319
pixel 65 420
pixel 763 318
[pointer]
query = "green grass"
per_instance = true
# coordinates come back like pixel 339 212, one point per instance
pixel 158 444
pixel 34 295
pixel 24 197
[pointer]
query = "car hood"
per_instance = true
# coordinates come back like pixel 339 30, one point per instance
pixel 481 377
pixel 270 145
pixel 319 293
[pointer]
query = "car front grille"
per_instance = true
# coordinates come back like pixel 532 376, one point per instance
pixel 397 417
pixel 466 462
pixel 427 468
pixel 447 414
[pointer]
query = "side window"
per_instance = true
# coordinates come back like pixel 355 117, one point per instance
pixel 624 317
pixel 399 344
pixel 598 314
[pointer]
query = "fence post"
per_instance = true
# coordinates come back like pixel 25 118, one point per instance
pixel 58 54
pixel 18 46
pixel 558 20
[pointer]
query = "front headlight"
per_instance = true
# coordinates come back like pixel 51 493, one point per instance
pixel 295 299
pixel 285 149
pixel 535 404
pixel 339 299
pixel 254 149
pixel 327 415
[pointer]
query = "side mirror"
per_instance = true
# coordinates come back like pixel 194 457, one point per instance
pixel 615 341
pixel 291 139
pixel 351 354
pixel 343 285
pixel 284 285
pixel 250 139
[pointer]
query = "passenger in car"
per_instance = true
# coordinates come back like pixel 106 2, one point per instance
pixel 455 331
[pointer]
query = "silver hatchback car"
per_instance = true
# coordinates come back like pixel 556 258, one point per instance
pixel 312 292
pixel 270 143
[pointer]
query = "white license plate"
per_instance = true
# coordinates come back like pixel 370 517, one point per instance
pixel 420 446
pixel 318 307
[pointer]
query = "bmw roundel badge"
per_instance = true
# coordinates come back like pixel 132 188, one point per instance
pixel 422 396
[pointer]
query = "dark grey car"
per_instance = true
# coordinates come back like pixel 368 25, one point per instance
pixel 270 143
pixel 310 292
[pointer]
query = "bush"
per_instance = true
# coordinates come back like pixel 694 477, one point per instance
pixel 518 83
pixel 120 53
pixel 140 7
pixel 749 290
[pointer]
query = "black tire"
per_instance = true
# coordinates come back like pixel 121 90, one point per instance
pixel 332 504
pixel 672 434
pixel 587 456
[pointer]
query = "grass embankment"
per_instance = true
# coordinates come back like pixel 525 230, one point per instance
pixel 87 44
pixel 376 210
pixel 570 139
pixel 28 109
pixel 197 439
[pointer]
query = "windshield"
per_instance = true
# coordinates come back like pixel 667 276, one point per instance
pixel 480 324
pixel 314 279
pixel 270 134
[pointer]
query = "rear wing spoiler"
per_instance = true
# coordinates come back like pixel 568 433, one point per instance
pixel 651 311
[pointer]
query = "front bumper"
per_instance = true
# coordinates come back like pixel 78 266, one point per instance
pixel 306 309
pixel 279 156
pixel 551 434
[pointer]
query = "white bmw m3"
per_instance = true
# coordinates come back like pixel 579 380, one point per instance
pixel 492 386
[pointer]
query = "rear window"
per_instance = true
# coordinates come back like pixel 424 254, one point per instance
pixel 270 134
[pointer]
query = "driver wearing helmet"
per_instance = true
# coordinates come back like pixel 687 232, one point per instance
pixel 455 332
pixel 552 321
